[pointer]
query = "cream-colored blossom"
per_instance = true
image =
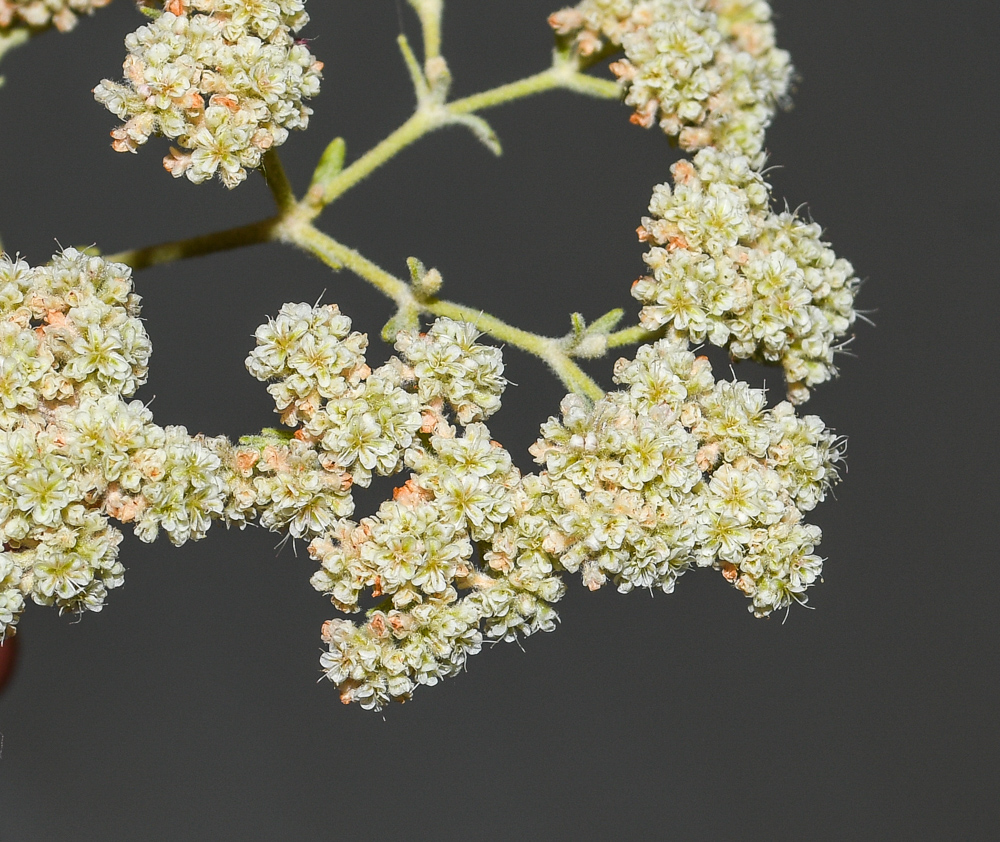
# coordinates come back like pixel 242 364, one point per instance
pixel 705 71
pixel 226 79
pixel 39 14
pixel 74 453
pixel 677 470
pixel 726 268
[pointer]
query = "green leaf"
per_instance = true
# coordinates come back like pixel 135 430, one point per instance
pixel 330 165
pixel 417 269
pixel 482 130
pixel 403 320
pixel 608 322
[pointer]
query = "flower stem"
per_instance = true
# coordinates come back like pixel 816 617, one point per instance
pixel 636 335
pixel 417 126
pixel 293 224
pixel 231 238
pixel 426 120
pixel 277 180
pixel 429 12
pixel 558 76
pixel 546 348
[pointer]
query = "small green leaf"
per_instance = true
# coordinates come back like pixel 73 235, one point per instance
pixel 330 165
pixel 482 130
pixel 417 269
pixel 403 320
pixel 608 322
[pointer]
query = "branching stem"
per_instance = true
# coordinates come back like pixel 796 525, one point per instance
pixel 546 348
pixel 427 119
pixel 293 224
pixel 231 238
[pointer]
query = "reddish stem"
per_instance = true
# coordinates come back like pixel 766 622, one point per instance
pixel 8 657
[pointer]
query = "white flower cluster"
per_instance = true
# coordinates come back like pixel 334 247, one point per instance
pixel 727 269
pixel 450 366
pixel 286 484
pixel 225 78
pixel 39 14
pixel 73 452
pixel 360 420
pixel 680 470
pixel 675 470
pixel 705 71
pixel 344 412
pixel 67 330
pixel 417 551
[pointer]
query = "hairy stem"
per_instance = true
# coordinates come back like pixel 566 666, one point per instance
pixel 637 335
pixel 277 180
pixel 416 127
pixel 426 120
pixel 231 238
pixel 293 223
pixel 429 12
pixel 548 349
pixel 558 76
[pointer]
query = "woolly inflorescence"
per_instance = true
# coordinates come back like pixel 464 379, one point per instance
pixel 705 71
pixel 39 14
pixel 73 451
pixel 678 470
pixel 727 269
pixel 423 412
pixel 226 79
pixel 673 471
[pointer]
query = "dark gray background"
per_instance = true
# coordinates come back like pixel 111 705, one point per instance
pixel 190 709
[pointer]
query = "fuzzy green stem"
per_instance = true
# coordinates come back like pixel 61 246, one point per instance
pixel 412 130
pixel 413 67
pixel 426 120
pixel 430 13
pixel 231 238
pixel 422 122
pixel 293 223
pixel 548 349
pixel 277 180
pixel 636 335
pixel 557 76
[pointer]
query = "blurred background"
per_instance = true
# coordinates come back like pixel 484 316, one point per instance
pixel 191 708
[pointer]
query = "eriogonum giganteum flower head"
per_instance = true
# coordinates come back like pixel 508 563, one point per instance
pixel 679 470
pixel 724 267
pixel 40 14
pixel 674 470
pixel 353 422
pixel 225 79
pixel 705 71
pixel 421 412
pixel 417 552
pixel 73 452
